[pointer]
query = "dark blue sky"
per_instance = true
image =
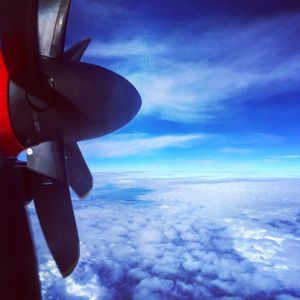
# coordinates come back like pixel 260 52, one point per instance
pixel 219 81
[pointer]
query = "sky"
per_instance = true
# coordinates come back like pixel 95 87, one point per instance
pixel 198 196
pixel 219 82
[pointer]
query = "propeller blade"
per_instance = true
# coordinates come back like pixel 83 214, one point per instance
pixel 53 16
pixel 79 175
pixel 19 42
pixel 18 267
pixel 51 194
pixel 75 52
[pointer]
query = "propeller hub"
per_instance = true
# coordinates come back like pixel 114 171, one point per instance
pixel 38 103
pixel 88 102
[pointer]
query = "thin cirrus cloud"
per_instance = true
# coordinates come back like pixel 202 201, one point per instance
pixel 189 77
pixel 249 142
pixel 233 150
pixel 284 157
pixel 121 145
pixel 261 138
pixel 125 49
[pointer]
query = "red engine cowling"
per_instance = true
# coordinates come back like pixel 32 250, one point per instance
pixel 9 146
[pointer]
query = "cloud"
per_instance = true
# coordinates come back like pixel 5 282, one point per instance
pixel 190 75
pixel 249 142
pixel 126 49
pixel 292 159
pixel 104 10
pixel 284 157
pixel 127 145
pixel 232 150
pixel 183 240
pixel 261 138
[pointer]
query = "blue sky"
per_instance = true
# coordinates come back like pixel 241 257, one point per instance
pixel 219 81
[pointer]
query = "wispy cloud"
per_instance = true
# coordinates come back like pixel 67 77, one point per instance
pixel 251 141
pixel 261 138
pixel 127 145
pixel 104 10
pixel 126 49
pixel 284 157
pixel 233 150
pixel 191 76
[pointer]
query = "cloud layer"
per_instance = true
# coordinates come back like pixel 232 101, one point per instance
pixel 120 145
pixel 191 74
pixel 147 238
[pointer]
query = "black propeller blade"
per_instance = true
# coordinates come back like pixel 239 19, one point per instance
pixel 53 16
pixel 75 52
pixel 20 48
pixel 50 190
pixel 79 175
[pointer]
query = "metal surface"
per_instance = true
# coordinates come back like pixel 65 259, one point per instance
pixel 79 175
pixel 18 266
pixel 75 52
pixel 49 103
pixel 20 48
pixel 97 102
pixel 52 21
pixel 50 190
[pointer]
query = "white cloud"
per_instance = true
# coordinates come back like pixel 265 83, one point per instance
pixel 191 75
pixel 261 138
pixel 183 239
pixel 287 156
pixel 233 150
pixel 126 145
pixel 103 10
pixel 125 49
pixel 284 158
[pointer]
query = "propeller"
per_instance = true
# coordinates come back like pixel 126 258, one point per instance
pixel 55 101
pixel 18 267
pixel 50 191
